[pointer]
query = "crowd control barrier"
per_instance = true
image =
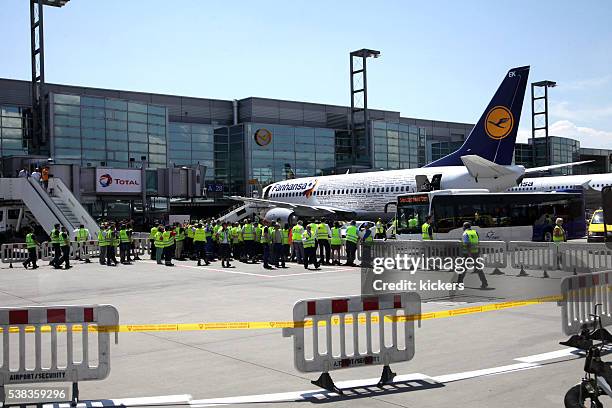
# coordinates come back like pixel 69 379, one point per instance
pixel 70 361
pixel 337 333
pixel 581 293
pixel 579 258
pixel 533 255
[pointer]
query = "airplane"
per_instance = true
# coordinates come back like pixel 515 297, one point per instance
pixel 482 162
pixel 563 183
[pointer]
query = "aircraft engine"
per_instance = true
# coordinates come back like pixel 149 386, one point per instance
pixel 286 216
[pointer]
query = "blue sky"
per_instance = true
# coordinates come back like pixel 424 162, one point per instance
pixel 440 59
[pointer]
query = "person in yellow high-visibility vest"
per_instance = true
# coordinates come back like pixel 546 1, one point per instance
pixel 152 237
pixel 471 250
pixel 82 236
pixel 160 244
pixel 426 229
pixel 298 246
pixel 380 229
pixel 248 239
pixel 352 238
pixel 323 235
pixel 124 245
pixel 336 243
pixel 32 246
pixel 559 236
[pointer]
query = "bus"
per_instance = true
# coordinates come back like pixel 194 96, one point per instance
pixel 496 216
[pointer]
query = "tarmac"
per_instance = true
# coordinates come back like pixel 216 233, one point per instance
pixel 503 358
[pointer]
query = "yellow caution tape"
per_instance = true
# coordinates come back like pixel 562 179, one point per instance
pixel 209 326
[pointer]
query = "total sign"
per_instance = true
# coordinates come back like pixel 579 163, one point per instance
pixel 121 181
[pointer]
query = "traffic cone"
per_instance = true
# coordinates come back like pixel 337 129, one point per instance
pixel 522 272
pixel 545 274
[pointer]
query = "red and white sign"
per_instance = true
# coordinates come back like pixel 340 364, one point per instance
pixel 122 181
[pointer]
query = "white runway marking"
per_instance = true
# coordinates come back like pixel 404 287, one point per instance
pixel 183 399
pixel 525 363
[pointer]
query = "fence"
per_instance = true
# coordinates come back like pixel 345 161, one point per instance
pixel 56 356
pixel 323 341
pixel 581 294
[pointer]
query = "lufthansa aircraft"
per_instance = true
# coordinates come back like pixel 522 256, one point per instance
pixel 482 162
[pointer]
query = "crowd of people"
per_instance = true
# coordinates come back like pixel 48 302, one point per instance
pixel 271 243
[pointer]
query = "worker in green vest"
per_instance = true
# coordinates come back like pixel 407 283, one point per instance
pixel 32 247
pixel 558 237
pixel 248 239
pixel 199 244
pixel 336 243
pixel 56 245
pixel 310 248
pixel 152 236
pixel 380 229
pixel 111 251
pixel 180 232
pixel 65 247
pixel 298 246
pixel 124 245
pixel 188 247
pixel 413 223
pixel 426 229
pixel 471 250
pixel 352 238
pixel 82 238
pixel 102 244
pixel 236 235
pixel 286 236
pixel 367 240
pixel 258 248
pixel 323 233
pixel 266 241
pixel 169 242
pixel 160 245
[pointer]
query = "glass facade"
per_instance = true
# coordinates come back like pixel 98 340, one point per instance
pixel 278 152
pixel 13 130
pixel 90 131
pixel 190 144
pixel 437 150
pixel 398 146
pixel 562 150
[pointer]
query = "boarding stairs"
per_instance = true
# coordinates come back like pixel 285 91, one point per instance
pixel 56 206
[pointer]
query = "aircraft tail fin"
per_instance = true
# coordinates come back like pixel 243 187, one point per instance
pixel 494 135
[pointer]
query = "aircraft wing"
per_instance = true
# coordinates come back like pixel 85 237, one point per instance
pixel 302 210
pixel 479 167
pixel 555 166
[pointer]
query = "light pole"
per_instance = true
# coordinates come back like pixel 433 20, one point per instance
pixel 37 54
pixel 359 108
pixel 539 118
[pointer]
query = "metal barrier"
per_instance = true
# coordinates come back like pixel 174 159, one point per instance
pixel 581 294
pixel 42 324
pixel 494 254
pixel 533 255
pixel 578 258
pixel 382 333
pixel 14 253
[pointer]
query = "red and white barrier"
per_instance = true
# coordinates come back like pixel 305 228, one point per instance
pixel 337 333
pixel 44 354
pixel 581 293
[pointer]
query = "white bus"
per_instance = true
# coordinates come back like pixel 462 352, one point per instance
pixel 495 216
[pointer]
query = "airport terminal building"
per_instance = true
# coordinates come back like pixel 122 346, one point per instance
pixel 242 144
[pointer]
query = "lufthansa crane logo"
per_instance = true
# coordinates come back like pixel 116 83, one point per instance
pixel 499 122
pixel 263 137
pixel 310 188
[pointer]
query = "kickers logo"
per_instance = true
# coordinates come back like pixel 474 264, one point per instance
pixel 105 180
pixel 499 123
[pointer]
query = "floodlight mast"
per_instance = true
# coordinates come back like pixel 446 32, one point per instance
pixel 37 52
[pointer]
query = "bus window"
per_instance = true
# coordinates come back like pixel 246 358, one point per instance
pixel 411 213
pixel 443 212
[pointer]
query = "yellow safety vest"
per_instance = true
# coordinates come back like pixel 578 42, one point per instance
pixel 336 239
pixel 82 234
pixel 352 234
pixel 473 239
pixel 322 234
pixel 561 236
pixel 296 232
pixel 425 231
